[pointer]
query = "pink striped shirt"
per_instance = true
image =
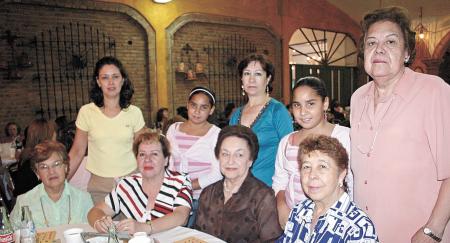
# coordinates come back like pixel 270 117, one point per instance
pixel 195 155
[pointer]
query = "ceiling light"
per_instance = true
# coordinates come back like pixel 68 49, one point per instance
pixel 162 1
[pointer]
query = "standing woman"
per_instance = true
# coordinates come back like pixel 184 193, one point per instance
pixel 309 106
pixel 268 118
pixel 400 136
pixel 193 143
pixel 108 126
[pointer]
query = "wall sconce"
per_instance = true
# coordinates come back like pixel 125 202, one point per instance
pixel 188 70
pixel 420 28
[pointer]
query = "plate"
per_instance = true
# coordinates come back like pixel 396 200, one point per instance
pixel 100 239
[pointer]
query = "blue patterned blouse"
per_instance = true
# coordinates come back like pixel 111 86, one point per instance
pixel 343 222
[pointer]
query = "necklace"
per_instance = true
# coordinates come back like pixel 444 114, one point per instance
pixel 377 131
pixel 258 116
pixel 45 217
pixel 227 189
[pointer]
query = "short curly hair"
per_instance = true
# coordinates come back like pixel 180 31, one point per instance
pixel 326 145
pixel 43 151
pixel 397 15
pixel 149 136
pixel 127 90
pixel 242 132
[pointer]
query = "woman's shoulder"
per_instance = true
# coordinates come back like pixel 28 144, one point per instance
pixel 339 131
pixel 176 176
pixel 79 194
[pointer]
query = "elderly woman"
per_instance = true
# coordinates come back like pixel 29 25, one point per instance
pixel 54 201
pixel 153 200
pixel 239 208
pixel 267 117
pixel 24 177
pixel 400 136
pixel 108 127
pixel 328 214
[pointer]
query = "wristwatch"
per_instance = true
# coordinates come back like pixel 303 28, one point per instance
pixel 428 232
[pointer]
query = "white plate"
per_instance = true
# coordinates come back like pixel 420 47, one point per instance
pixel 100 239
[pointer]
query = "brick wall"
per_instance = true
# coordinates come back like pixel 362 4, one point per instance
pixel 20 98
pixel 228 42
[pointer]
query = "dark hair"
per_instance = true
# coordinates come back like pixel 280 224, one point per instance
pixel 228 109
pixel 66 135
pixel 9 124
pixel 210 94
pixel 43 151
pixel 314 83
pixel 38 131
pixel 326 145
pixel 160 114
pixel 397 15
pixel 241 132
pixel 126 92
pixel 182 111
pixel 152 137
pixel 266 65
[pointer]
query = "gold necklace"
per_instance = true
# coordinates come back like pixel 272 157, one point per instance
pixel 45 217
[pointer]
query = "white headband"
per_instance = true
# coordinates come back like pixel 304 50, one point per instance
pixel 204 90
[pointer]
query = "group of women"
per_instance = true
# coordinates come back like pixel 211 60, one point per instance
pixel 256 177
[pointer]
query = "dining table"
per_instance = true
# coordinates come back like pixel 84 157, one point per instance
pixel 176 235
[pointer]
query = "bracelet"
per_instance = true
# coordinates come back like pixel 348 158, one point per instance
pixel 149 223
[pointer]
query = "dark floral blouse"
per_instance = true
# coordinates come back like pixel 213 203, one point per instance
pixel 250 215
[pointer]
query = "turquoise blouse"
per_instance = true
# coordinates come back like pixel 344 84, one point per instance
pixel 272 125
pixel 57 213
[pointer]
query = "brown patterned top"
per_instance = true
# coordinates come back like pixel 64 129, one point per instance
pixel 250 215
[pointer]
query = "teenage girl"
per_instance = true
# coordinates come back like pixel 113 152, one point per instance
pixel 193 141
pixel 309 107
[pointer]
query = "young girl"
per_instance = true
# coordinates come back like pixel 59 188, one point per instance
pixel 193 143
pixel 309 106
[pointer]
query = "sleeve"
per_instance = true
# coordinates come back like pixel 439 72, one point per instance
pixel 139 120
pixel 282 121
pixel 15 213
pixel 344 139
pixel 86 201
pixel 437 128
pixel 269 228
pixel 203 210
pixel 112 199
pixel 82 119
pixel 184 196
pixel 280 178
pixel 170 135
pixel 214 174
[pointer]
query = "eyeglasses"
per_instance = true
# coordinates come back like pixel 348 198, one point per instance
pixel 54 165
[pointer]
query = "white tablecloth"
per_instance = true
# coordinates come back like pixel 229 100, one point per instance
pixel 169 236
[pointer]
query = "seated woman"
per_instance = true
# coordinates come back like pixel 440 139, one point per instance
pixel 239 208
pixel 328 215
pixel 54 201
pixel 153 200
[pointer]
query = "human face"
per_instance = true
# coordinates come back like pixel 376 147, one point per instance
pixel 321 178
pixel 52 172
pixel 234 158
pixel 199 108
pixel 110 80
pixel 254 79
pixel 12 130
pixel 308 107
pixel 150 159
pixel 384 52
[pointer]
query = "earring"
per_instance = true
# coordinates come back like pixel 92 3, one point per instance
pixel 341 184
pixel 406 60
pixel 267 89
pixel 243 91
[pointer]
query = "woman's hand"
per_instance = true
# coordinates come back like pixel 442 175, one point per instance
pixel 102 224
pixel 131 226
